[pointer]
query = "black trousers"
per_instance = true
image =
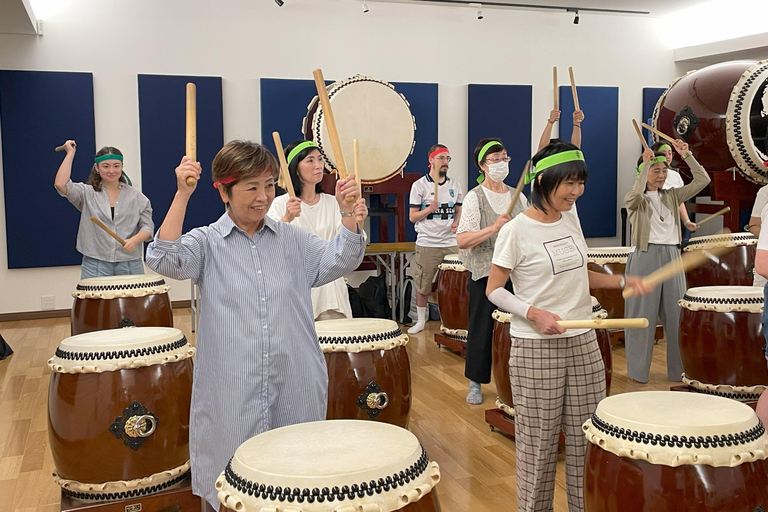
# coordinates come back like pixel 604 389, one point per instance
pixel 477 365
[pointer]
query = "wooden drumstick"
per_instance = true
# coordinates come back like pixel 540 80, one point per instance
pixel 554 85
pixel 285 175
pixel 191 127
pixel 356 166
pixel 109 231
pixel 573 90
pixel 716 214
pixel 640 134
pixel 330 122
pixel 605 323
pixel 61 148
pixel 688 261
pixel 519 189
pixel 660 134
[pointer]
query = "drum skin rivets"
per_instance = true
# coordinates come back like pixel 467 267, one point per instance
pixel 373 400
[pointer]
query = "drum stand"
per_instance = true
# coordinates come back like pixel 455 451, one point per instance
pixel 452 343
pixel 733 190
pixel 178 499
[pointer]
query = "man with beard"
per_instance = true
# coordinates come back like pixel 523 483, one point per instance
pixel 436 219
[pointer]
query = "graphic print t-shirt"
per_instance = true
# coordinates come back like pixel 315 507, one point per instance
pixel 435 230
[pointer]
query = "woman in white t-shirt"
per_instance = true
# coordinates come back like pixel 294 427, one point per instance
pixel 761 269
pixel 317 213
pixel 557 376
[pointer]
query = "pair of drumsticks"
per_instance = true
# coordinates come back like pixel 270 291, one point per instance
pixel 573 88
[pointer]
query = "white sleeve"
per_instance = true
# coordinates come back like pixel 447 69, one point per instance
pixel 762 241
pixel 760 201
pixel 506 253
pixel 470 214
pixel 277 209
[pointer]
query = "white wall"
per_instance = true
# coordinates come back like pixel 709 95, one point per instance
pixel 244 40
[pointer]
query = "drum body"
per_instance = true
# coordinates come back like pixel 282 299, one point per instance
pixel 118 411
pixel 453 296
pixel 121 301
pixel 721 340
pixel 611 261
pixel 735 268
pixel 369 375
pixel 624 472
pixel 717 110
pixel 372 112
pixel 331 466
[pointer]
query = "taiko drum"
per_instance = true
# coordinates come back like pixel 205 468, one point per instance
pixel 734 268
pixel 611 261
pixel 453 296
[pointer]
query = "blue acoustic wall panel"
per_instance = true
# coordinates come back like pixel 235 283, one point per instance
pixel 39 111
pixel 600 138
pixel 502 111
pixel 651 96
pixel 162 126
pixel 284 105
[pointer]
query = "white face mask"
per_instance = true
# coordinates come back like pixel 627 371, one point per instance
pixel 498 171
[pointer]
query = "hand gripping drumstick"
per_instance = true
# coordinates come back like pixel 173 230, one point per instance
pixel 607 323
pixel 519 189
pixel 191 127
pixel 573 90
pixel 284 174
pixel 660 134
pixel 554 85
pixel 716 214
pixel 640 134
pixel 688 261
pixel 109 231
pixel 356 165
pixel 61 148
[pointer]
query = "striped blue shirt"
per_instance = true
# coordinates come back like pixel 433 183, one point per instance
pixel 259 365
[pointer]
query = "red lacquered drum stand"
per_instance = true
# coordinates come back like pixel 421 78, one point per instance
pixel 443 340
pixel 178 499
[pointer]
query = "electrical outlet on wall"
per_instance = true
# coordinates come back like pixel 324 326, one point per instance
pixel 48 302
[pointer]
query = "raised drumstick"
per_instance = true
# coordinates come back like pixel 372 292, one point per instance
pixel 61 148
pixel 191 127
pixel 605 323
pixel 573 90
pixel 330 122
pixel 716 214
pixel 109 231
pixel 688 261
pixel 640 134
pixel 554 85
pixel 356 165
pixel 284 174
pixel 519 189
pixel 660 134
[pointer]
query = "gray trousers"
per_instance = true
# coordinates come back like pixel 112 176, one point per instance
pixel 661 302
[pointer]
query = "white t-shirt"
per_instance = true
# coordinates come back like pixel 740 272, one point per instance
pixel 762 241
pixel 435 229
pixel 662 231
pixel 499 202
pixel 761 199
pixel 549 270
pixel 673 180
pixel 323 220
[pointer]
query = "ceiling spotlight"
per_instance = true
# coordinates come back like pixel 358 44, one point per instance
pixel 576 17
pixel 279 3
pixel 365 6
pixel 479 10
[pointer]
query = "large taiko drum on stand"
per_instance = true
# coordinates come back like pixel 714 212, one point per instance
pixel 735 268
pixel 502 343
pixel 330 466
pixel 369 376
pixel 372 112
pixel 720 111
pixel 661 451
pixel 121 301
pixel 611 261
pixel 721 341
pixel 453 297
pixel 118 412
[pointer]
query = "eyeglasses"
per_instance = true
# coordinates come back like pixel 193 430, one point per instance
pixel 443 158
pixel 497 160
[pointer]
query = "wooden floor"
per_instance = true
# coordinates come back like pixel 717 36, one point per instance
pixel 477 466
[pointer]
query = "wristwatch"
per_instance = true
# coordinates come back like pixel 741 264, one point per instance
pixel 346 214
pixel 622 282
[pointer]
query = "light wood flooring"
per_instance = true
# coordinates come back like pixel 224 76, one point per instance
pixel 477 466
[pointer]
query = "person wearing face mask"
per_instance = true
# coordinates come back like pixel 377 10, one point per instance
pixel 318 213
pixel 674 180
pixel 436 220
pixel 484 212
pixel 109 197
pixel 654 213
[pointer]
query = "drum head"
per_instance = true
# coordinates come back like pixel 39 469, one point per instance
pixel 601 255
pixel 324 464
pixel 111 287
pixel 674 428
pixel 372 112
pixel 597 309
pixel 724 298
pixel 452 262
pixel 747 122
pixel 722 240
pixel 359 334
pixel 115 349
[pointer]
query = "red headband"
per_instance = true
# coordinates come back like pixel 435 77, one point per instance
pixel 225 181
pixel 437 152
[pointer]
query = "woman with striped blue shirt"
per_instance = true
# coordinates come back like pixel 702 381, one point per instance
pixel 258 365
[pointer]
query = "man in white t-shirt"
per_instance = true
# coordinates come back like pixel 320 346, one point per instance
pixel 436 220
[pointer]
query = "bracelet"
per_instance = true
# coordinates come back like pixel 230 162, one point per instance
pixel 346 214
pixel 622 282
pixel 577 126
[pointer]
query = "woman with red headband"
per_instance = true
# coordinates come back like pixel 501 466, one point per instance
pixel 109 197
pixel 318 213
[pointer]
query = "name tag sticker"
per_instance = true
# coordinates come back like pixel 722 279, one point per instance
pixel 564 255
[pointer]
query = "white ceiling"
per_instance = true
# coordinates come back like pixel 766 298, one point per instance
pixel 15 18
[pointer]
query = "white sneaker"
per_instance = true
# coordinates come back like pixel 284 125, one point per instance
pixel 417 328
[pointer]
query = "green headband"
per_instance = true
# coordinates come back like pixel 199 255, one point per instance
pixel 664 147
pixel 108 156
pixel 485 149
pixel 553 160
pixel 298 149
pixel 655 160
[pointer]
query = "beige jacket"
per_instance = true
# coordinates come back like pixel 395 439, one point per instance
pixel 639 205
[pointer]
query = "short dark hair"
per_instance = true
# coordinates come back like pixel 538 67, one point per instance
pixel 242 159
pixel 553 176
pixel 293 166
pixel 497 148
pixel 433 147
pixel 94 179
